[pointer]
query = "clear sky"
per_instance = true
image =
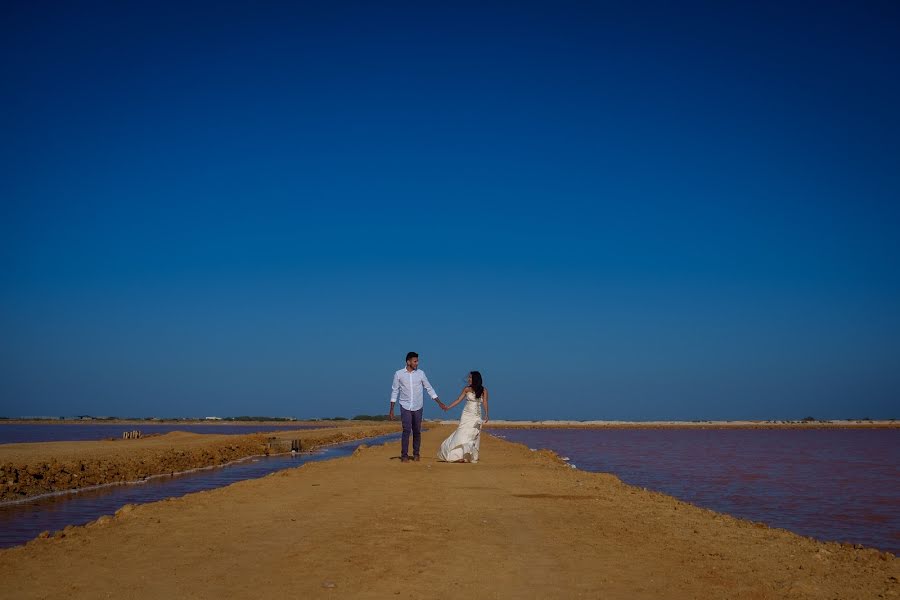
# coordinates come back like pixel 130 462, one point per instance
pixel 622 210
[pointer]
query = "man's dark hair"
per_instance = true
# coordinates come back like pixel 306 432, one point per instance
pixel 410 355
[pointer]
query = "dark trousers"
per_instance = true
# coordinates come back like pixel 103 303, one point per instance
pixel 412 421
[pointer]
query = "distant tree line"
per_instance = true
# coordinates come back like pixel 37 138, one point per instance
pixel 358 418
pixel 246 418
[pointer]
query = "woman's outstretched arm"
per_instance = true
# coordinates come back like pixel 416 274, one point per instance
pixel 462 395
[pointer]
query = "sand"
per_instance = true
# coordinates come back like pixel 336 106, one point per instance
pixel 519 524
pixel 32 469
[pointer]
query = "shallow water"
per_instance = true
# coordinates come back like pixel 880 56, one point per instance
pixel 25 520
pixel 19 433
pixel 830 484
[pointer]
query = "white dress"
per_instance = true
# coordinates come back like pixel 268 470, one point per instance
pixel 463 444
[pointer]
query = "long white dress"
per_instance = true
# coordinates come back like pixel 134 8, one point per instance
pixel 463 444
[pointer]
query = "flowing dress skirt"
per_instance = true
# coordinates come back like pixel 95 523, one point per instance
pixel 463 444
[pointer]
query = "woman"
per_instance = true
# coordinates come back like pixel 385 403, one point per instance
pixel 462 446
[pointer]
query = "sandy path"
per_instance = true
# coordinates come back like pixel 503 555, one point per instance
pixel 520 524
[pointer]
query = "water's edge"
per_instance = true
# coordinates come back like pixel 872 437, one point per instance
pixel 829 485
pixel 101 486
pixel 25 519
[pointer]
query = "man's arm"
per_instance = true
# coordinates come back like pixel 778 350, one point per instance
pixel 395 390
pixel 430 389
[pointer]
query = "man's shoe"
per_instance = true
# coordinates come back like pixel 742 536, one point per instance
pixel 417 458
pixel 404 459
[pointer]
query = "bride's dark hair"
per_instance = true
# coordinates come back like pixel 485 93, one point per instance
pixel 477 387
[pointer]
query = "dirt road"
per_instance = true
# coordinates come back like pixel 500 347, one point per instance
pixel 519 524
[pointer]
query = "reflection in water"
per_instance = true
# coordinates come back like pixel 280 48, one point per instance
pixel 24 521
pixel 831 484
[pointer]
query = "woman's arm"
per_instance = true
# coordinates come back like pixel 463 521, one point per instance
pixel 462 395
pixel 484 395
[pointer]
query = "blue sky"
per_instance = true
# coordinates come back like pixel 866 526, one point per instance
pixel 614 211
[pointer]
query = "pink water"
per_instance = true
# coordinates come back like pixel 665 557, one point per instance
pixel 830 484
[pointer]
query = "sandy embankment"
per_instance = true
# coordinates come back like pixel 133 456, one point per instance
pixel 39 468
pixel 519 524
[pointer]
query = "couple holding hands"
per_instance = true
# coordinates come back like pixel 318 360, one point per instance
pixel 462 445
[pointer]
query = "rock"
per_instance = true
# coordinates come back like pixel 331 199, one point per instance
pixel 359 450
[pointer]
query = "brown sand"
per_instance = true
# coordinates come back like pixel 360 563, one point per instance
pixel 38 468
pixel 519 524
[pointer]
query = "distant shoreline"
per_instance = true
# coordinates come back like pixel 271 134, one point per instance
pixel 849 424
pixel 500 424
pixel 211 423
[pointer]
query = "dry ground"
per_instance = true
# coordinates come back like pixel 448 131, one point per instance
pixel 519 524
pixel 32 469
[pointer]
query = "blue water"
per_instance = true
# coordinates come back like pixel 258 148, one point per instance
pixel 830 484
pixel 18 433
pixel 25 520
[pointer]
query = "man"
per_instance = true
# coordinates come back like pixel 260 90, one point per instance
pixel 408 384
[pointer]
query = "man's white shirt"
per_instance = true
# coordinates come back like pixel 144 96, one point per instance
pixel 407 388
